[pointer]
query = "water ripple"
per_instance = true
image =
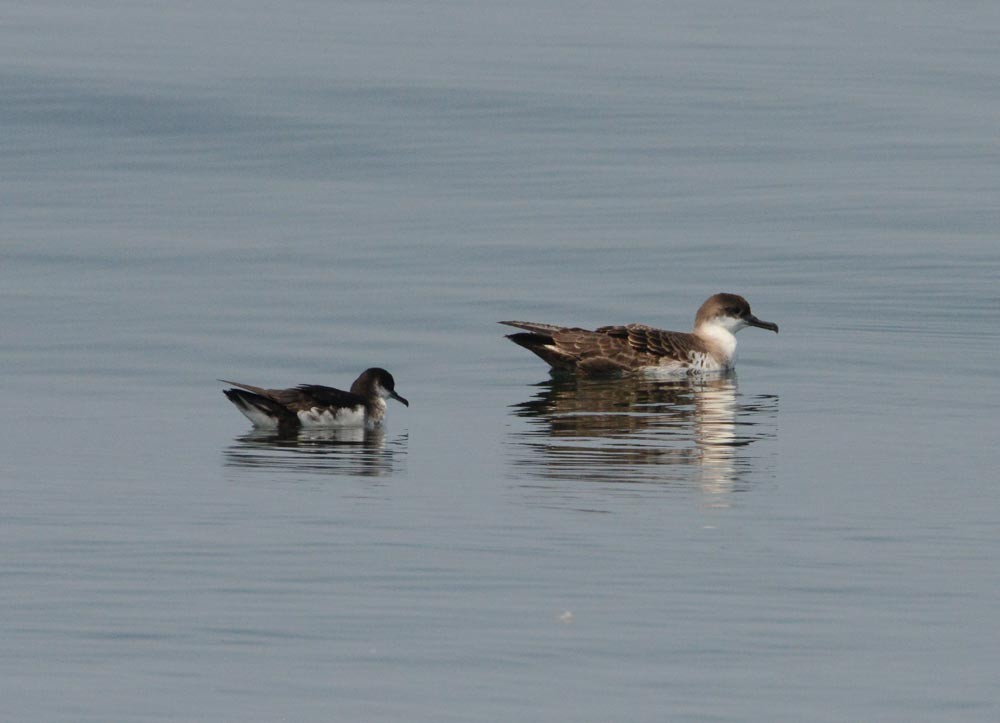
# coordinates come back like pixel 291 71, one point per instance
pixel 357 452
pixel 641 431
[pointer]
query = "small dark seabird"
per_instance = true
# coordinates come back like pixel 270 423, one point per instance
pixel 312 406
pixel 635 347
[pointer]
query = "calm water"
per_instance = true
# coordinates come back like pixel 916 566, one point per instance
pixel 286 194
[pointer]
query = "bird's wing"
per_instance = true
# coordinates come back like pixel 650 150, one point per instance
pixel 659 342
pixel 537 327
pixel 598 353
pixel 304 396
pixel 307 396
pixel 249 387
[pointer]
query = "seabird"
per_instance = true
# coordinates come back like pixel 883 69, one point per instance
pixel 710 347
pixel 313 406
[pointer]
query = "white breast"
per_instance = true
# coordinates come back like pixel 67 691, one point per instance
pixel 722 343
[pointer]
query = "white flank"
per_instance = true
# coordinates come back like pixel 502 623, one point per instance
pixel 317 417
pixel 259 419
pixel 698 363
pixel 666 369
pixel 708 363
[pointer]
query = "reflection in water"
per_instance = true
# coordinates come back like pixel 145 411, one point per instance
pixel 691 431
pixel 354 451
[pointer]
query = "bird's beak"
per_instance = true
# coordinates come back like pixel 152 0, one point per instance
pixel 752 320
pixel 403 401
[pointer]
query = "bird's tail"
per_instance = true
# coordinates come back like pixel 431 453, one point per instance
pixel 544 347
pixel 534 326
pixel 263 412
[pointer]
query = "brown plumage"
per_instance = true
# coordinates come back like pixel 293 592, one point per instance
pixel 314 405
pixel 633 347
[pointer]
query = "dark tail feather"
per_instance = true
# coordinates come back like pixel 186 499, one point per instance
pixel 535 327
pixel 542 345
pixel 261 410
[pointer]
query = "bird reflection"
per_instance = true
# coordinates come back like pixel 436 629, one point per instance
pixel 641 430
pixel 349 451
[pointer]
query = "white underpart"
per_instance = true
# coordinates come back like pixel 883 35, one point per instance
pixel 259 419
pixel 319 417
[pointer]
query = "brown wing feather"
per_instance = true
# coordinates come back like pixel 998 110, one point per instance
pixel 598 353
pixel 619 331
pixel 535 327
pixel 303 397
pixel 661 343
pixel 307 396
pixel 249 387
pixel 607 349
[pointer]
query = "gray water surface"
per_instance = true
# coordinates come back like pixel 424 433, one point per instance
pixel 290 194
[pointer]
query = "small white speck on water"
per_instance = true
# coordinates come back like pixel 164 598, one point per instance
pixel 567 617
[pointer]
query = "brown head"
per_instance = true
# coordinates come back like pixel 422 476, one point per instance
pixel 376 383
pixel 730 311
